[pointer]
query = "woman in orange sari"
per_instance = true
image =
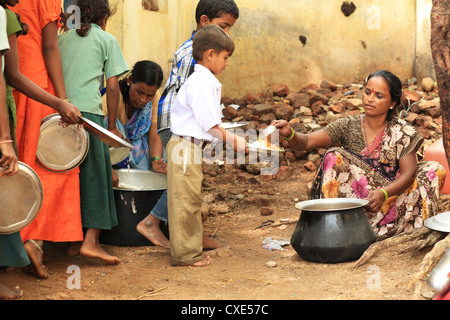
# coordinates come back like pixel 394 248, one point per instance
pixel 39 59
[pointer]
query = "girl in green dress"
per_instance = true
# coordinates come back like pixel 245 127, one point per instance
pixel 87 54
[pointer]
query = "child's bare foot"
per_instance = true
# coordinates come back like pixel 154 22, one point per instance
pixel 6 269
pixel 36 254
pixel 210 243
pixel 73 248
pixel 149 228
pixel 91 248
pixel 202 263
pixel 8 294
pixel 96 251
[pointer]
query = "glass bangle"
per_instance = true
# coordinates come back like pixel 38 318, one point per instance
pixel 291 137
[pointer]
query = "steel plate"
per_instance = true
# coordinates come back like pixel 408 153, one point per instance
pixel 252 147
pixel 117 155
pixel 440 222
pixel 21 199
pixel 61 149
pixel 233 125
pixel 104 135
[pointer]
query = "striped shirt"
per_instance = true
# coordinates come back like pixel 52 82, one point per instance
pixel 182 68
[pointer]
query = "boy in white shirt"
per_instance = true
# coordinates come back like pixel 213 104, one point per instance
pixel 196 117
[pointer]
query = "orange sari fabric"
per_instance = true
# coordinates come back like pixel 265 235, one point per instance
pixel 60 216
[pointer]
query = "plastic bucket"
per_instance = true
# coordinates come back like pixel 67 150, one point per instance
pixel 436 152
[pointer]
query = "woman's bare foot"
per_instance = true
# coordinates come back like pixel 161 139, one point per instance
pixel 73 248
pixel 36 254
pixel 8 294
pixel 91 248
pixel 149 228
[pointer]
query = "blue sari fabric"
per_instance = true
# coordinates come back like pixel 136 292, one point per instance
pixel 137 130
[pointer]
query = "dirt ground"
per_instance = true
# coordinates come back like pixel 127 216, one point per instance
pixel 246 271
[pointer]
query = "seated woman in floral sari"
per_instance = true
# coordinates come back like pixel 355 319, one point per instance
pixel 372 156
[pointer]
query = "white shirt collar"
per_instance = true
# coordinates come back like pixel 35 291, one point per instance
pixel 204 70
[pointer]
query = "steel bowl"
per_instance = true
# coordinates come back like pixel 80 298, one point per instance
pixel 118 154
pixel 137 194
pixel 439 277
pixel 141 180
pixel 61 149
pixel 21 199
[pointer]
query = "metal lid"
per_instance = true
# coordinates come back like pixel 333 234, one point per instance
pixel 61 149
pixel 331 204
pixel 440 222
pixel 20 200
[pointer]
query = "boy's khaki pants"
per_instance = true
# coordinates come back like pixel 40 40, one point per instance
pixel 184 199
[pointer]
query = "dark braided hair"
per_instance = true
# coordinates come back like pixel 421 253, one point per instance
pixel 23 25
pixel 92 11
pixel 144 71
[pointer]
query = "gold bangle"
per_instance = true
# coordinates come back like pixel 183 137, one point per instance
pixel 291 137
pixel 67 100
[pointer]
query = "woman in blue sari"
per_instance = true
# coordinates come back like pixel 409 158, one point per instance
pixel 136 119
pixel 135 116
pixel 136 129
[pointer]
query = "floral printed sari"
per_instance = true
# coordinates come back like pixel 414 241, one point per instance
pixel 349 174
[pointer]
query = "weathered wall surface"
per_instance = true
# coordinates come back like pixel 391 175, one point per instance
pixel 424 66
pixel 377 35
pixel 293 42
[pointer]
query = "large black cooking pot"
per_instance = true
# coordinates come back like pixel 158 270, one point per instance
pixel 137 194
pixel 332 230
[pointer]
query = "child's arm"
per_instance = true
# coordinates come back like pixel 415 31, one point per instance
pixel 52 58
pixel 8 156
pixel 69 113
pixel 238 143
pixel 112 101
